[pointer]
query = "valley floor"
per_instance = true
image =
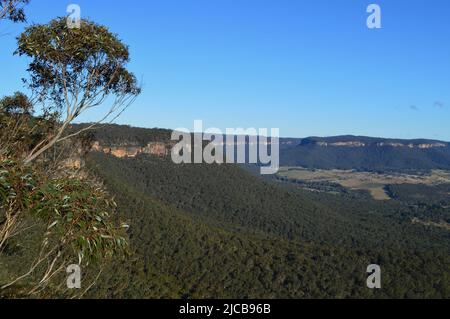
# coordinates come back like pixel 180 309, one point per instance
pixel 374 183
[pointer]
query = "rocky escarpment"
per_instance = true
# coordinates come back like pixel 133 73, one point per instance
pixel 382 144
pixel 362 142
pixel 368 154
pixel 161 149
pixel 339 152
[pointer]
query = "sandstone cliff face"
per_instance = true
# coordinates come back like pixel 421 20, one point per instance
pixel 384 144
pixel 160 149
pixel 342 144
pixel 163 149
pixel 428 146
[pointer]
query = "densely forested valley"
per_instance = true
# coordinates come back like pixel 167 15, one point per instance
pixel 224 231
pixel 220 232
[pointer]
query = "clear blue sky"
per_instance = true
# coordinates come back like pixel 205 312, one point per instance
pixel 308 67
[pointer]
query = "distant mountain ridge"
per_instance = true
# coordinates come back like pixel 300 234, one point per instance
pixel 363 141
pixel 338 152
pixel 367 154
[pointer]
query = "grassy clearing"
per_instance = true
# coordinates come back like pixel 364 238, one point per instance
pixel 374 183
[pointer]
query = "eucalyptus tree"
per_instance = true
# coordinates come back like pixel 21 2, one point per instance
pixel 74 70
pixel 71 71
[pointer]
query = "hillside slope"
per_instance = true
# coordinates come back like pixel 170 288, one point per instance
pixel 367 154
pixel 340 152
pixel 217 231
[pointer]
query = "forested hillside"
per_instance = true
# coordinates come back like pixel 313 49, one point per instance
pixel 218 231
pixel 116 135
pixel 367 154
pixel 339 152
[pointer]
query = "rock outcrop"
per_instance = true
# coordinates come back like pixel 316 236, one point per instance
pixel 160 149
pixel 382 144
